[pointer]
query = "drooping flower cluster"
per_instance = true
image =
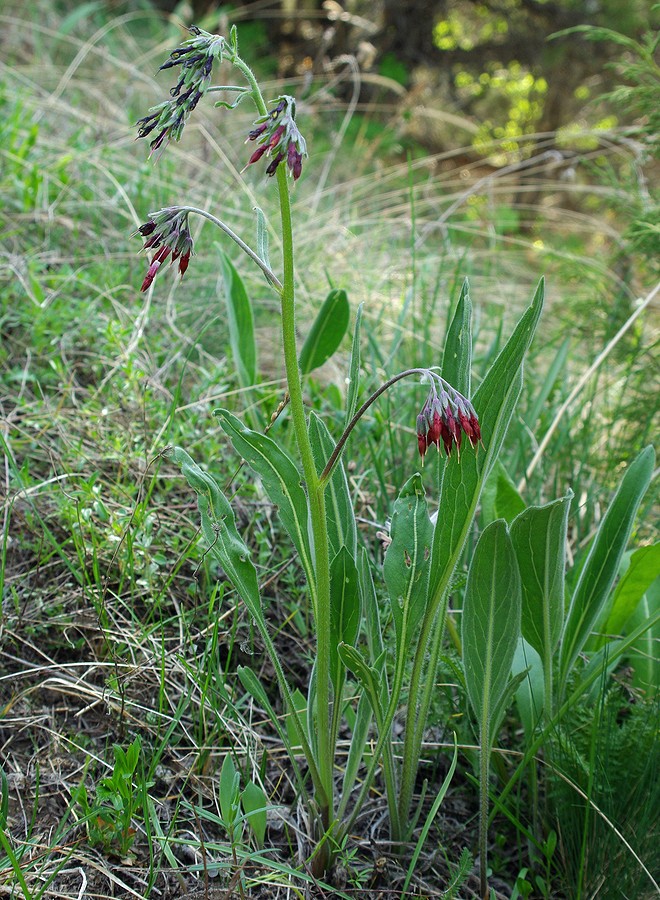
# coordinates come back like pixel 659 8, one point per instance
pixel 279 138
pixel 168 233
pixel 446 416
pixel 196 57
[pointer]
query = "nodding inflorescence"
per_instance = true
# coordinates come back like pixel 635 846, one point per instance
pixel 168 233
pixel 196 58
pixel 446 415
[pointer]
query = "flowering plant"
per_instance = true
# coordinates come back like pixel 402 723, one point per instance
pixel 310 490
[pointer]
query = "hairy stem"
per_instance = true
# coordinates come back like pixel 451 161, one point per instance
pixel 268 272
pixel 339 446
pixel 316 507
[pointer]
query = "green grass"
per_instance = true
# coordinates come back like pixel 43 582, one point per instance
pixel 115 622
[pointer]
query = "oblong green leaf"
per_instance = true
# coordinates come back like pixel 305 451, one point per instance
pixel 491 625
pixel 500 498
pixel 602 563
pixel 254 803
pixel 281 481
pixel 327 331
pixel 530 695
pixel 220 533
pixel 342 529
pixel 406 564
pixel 644 654
pixel 462 479
pixel 262 236
pixel 538 536
pixel 642 571
pixel 241 323
pixel 345 612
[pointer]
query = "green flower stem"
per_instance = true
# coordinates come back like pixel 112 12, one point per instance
pixel 316 506
pixel 484 760
pixel 314 489
pixel 268 272
pixel 339 446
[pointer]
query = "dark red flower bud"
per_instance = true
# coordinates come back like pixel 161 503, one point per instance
pixel 276 137
pixel 422 426
pixel 447 437
pixel 433 434
pixel 148 228
pixel 294 160
pixel 257 132
pixel 272 167
pixel 258 153
pixel 183 263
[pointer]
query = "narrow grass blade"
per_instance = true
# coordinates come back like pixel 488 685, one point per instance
pixel 241 323
pixel 354 368
pixel 262 236
pixel 602 563
pixel 327 331
pixel 430 817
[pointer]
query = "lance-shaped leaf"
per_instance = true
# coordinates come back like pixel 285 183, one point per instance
pixel 281 481
pixel 354 369
pixel 491 626
pixel 262 236
pixel 643 569
pixel 539 539
pixel 371 610
pixel 461 480
pixel 241 323
pixel 644 654
pixel 220 533
pixel 344 613
pixel 406 565
pixel 500 498
pixel 327 331
pixel 368 677
pixel 457 356
pixel 342 530
pixel 602 563
pixel 530 695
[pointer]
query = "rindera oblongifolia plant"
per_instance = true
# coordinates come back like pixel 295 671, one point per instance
pixel 309 488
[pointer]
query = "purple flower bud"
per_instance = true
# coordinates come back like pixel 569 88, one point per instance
pixel 257 132
pixel 294 161
pixel 272 166
pixel 258 153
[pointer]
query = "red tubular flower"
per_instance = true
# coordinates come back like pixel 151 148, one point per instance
pixel 422 442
